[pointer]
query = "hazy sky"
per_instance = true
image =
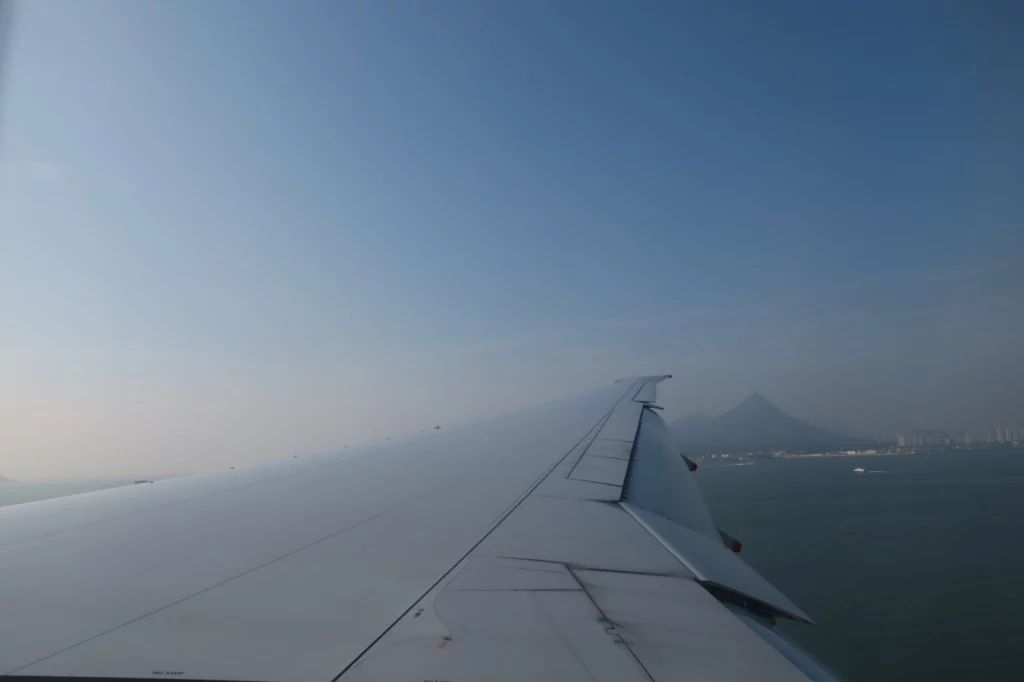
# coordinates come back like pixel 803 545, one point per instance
pixel 236 231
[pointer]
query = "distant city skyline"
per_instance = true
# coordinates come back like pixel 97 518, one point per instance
pixel 934 435
pixel 917 437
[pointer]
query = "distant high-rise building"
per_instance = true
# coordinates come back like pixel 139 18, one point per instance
pixel 999 435
pixel 967 437
pixel 901 441
pixel 928 437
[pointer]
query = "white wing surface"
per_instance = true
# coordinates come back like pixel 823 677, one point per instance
pixel 564 542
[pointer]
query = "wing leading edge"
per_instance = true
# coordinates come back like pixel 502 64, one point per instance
pixel 537 544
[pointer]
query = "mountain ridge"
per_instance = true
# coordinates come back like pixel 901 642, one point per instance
pixel 755 424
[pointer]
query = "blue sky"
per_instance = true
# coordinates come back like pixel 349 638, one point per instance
pixel 239 230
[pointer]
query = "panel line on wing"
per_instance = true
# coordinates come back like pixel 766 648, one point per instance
pixel 608 621
pixel 298 550
pixel 593 430
pixel 225 581
pixel 606 465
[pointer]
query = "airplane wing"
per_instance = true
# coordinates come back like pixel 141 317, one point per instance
pixel 564 542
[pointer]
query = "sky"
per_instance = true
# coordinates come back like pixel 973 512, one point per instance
pixel 234 231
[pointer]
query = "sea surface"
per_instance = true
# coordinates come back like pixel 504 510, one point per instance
pixel 913 570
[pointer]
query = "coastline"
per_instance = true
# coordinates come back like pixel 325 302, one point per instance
pixel 901 452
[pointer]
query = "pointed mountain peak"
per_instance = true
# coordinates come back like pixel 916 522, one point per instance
pixel 755 403
pixel 756 424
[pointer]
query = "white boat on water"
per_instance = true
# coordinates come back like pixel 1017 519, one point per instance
pixel 859 470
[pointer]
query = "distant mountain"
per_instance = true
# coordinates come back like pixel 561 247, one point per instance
pixel 4 479
pixel 755 425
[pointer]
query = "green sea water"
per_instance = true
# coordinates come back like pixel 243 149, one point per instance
pixel 913 570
